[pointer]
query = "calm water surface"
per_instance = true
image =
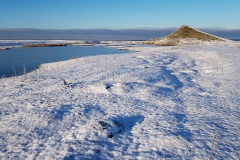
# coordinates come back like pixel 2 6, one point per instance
pixel 236 39
pixel 17 58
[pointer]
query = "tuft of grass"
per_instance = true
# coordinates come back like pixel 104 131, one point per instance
pixel 64 82
pixel 72 58
pixel 24 73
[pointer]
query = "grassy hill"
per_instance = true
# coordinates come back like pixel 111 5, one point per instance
pixel 186 34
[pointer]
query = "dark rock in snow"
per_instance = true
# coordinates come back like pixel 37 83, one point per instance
pixel 110 135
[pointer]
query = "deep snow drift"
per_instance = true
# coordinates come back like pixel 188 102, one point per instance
pixel 177 102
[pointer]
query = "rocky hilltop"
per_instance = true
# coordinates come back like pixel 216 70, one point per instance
pixel 185 35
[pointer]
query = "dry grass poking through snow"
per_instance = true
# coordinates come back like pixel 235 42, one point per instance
pixel 184 32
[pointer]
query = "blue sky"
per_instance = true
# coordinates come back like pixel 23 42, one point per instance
pixel 119 14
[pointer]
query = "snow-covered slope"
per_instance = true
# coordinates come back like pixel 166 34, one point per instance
pixel 159 103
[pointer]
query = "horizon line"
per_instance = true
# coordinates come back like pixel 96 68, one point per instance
pixel 140 28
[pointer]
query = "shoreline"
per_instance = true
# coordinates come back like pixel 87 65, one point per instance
pixel 119 45
pixel 57 45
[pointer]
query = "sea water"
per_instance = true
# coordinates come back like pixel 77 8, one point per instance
pixel 15 60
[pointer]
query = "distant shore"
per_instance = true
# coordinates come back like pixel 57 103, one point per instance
pixel 45 45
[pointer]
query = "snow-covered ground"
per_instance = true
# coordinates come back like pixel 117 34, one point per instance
pixel 179 102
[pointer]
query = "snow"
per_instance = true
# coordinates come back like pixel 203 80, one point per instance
pixel 178 102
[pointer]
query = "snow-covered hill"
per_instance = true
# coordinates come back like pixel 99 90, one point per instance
pixel 177 102
pixel 187 35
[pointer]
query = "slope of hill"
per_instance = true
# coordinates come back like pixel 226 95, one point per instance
pixel 185 35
